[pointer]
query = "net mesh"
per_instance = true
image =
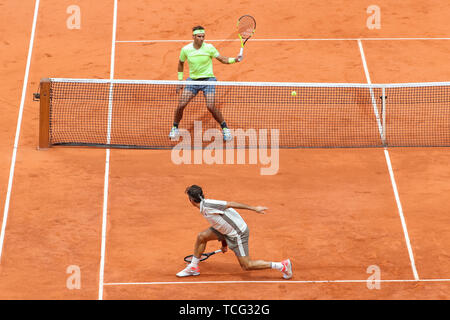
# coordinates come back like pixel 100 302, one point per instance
pixel 133 114
pixel 418 116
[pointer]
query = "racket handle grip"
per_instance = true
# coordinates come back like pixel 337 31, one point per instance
pixel 240 55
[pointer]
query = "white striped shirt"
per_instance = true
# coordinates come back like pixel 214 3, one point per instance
pixel 225 220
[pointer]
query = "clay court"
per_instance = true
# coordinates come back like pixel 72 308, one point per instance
pixel 122 216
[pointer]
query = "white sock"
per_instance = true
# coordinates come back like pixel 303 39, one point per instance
pixel 277 265
pixel 194 262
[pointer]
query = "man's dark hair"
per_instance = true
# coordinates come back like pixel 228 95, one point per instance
pixel 195 193
pixel 197 28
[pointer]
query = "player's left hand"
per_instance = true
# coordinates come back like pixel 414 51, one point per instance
pixel 238 59
pixel 260 209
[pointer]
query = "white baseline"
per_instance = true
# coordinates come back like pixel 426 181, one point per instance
pixel 271 281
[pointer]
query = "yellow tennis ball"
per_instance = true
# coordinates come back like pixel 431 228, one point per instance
pixel 293 93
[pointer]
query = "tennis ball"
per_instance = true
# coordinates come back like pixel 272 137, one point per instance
pixel 293 93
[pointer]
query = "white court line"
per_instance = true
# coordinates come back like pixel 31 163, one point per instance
pixel 271 281
pixel 19 125
pixel 107 161
pixel 394 184
pixel 374 102
pixel 284 40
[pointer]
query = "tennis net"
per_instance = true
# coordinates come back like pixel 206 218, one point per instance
pixel 139 114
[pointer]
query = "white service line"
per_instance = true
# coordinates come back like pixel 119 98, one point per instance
pixel 371 281
pixel 107 161
pixel 392 177
pixel 284 40
pixel 19 125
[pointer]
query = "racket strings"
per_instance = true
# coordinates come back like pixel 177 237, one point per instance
pixel 246 26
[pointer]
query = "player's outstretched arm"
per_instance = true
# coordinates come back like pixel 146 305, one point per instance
pixel 237 205
pixel 227 60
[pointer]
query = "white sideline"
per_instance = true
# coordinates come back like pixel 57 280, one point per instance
pixel 392 177
pixel 19 125
pixel 369 82
pixel 107 161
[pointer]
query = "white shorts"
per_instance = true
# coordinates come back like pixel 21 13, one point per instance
pixel 238 244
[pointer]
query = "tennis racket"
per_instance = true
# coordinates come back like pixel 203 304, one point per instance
pixel 203 257
pixel 246 28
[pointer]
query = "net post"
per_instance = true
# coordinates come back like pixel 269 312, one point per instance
pixel 44 114
pixel 383 114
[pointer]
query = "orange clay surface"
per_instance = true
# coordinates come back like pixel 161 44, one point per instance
pixel 332 212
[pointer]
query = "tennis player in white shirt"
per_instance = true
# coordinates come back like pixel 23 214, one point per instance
pixel 228 227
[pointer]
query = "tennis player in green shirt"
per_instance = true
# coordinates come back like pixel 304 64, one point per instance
pixel 199 56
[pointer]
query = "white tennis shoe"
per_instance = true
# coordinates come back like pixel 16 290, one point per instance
pixel 174 132
pixel 287 269
pixel 189 271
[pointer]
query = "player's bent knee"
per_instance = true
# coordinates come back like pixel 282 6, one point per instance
pixel 245 265
pixel 202 237
pixel 245 268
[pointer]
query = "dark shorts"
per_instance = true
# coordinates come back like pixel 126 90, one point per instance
pixel 238 244
pixel 207 89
